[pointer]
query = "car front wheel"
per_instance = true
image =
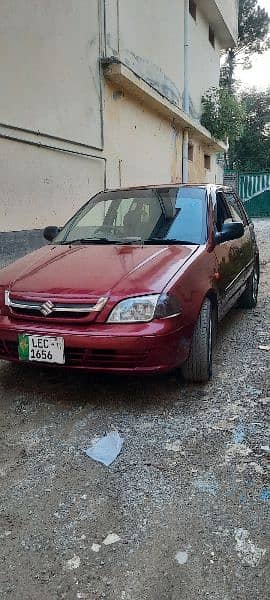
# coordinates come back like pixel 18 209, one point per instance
pixel 198 367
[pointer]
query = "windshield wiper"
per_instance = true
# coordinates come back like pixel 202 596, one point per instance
pixel 129 240
pixel 126 241
pixel 166 242
pixel 104 240
pixel 101 240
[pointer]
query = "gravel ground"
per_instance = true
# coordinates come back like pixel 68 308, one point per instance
pixel 188 495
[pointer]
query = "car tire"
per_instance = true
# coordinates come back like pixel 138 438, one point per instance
pixel 198 366
pixel 250 295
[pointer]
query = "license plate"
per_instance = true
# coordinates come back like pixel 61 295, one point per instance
pixel 41 348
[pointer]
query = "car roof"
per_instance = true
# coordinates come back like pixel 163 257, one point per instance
pixel 206 186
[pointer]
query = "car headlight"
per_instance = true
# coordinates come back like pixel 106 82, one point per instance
pixel 143 309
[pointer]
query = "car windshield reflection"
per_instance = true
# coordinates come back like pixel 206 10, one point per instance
pixel 140 216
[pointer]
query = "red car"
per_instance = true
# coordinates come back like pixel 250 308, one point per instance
pixel 135 282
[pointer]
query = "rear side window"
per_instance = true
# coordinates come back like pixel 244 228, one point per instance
pixel 236 209
pixel 222 212
pixel 246 219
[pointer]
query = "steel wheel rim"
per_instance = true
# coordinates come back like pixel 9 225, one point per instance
pixel 255 285
pixel 210 345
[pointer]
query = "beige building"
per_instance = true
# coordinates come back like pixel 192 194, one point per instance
pixel 104 93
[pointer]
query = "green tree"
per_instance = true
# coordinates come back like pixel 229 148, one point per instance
pixel 253 38
pixel 222 114
pixel 251 150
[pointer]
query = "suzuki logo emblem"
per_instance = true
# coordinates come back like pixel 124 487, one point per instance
pixel 47 308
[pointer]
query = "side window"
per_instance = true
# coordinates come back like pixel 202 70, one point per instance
pixel 222 212
pixel 245 217
pixel 235 208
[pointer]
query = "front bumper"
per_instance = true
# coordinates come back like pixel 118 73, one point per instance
pixel 153 347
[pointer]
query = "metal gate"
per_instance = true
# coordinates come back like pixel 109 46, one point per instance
pixel 254 189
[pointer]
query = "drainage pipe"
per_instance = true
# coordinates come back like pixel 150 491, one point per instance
pixel 185 156
pixel 186 91
pixel 186 56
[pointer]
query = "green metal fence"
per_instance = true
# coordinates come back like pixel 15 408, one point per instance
pixel 259 206
pixel 254 189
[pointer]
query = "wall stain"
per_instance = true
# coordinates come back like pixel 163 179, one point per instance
pixel 153 75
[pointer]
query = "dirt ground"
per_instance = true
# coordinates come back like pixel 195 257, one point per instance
pixel 188 495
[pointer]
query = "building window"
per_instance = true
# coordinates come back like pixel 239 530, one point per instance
pixel 207 162
pixel 193 9
pixel 211 36
pixel 190 152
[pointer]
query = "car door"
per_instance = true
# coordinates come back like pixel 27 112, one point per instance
pixel 228 255
pixel 245 244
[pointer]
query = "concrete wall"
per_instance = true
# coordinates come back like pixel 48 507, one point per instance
pixel 42 187
pixel 140 146
pixel 51 96
pixel 229 12
pixel 49 65
pixel 197 171
pixel 151 43
pixel 204 62
pixel 148 37
pixel 61 123
pixel 15 244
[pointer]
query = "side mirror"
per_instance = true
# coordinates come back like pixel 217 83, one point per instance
pixel 230 231
pixel 51 232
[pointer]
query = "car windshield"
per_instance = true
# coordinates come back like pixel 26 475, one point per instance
pixel 155 215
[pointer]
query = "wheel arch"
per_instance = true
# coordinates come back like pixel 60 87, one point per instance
pixel 211 294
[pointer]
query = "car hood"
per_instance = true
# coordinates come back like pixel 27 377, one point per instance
pixel 83 271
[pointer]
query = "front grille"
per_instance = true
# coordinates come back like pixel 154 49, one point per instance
pixel 41 309
pixel 65 314
pixel 94 358
pixel 103 359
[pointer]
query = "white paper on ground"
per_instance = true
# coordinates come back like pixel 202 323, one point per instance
pixel 106 449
